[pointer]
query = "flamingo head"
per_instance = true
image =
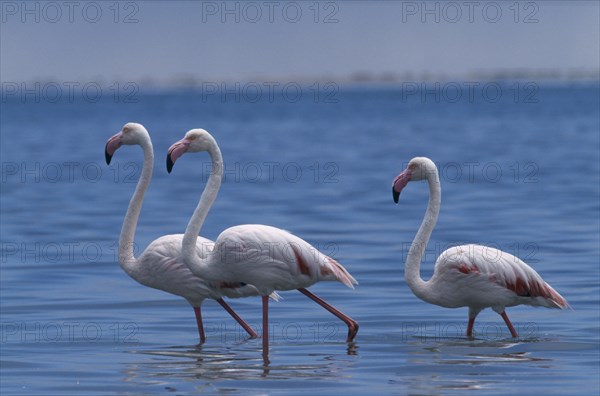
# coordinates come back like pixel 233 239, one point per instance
pixel 418 168
pixel 131 133
pixel 194 141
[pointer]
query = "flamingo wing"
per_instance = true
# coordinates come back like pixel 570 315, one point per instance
pixel 162 267
pixel 500 268
pixel 274 259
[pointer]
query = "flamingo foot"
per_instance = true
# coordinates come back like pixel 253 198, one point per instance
pixel 351 323
pixel 352 331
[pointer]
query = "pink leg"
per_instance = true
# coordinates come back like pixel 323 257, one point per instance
pixel 237 318
pixel 473 312
pixel 351 323
pixel 199 323
pixel 470 327
pixel 513 332
pixel 265 335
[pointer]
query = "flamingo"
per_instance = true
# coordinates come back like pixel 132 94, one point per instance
pixel 471 276
pixel 161 265
pixel 267 257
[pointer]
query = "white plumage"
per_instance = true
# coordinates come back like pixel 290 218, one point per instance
pixel 266 257
pixel 471 276
pixel 272 259
pixel 161 265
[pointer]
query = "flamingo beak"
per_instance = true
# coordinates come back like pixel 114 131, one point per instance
pixel 111 146
pixel 399 183
pixel 175 151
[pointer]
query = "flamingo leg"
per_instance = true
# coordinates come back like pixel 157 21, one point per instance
pixel 237 318
pixel 351 323
pixel 513 332
pixel 200 325
pixel 473 312
pixel 265 330
pixel 470 327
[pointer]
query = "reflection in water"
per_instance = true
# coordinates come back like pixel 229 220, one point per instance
pixel 235 362
pixel 474 365
pixel 352 348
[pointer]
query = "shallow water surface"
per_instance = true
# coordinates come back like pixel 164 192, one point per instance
pixel 522 177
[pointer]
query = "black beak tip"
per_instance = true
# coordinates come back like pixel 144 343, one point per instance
pixel 170 163
pixel 395 194
pixel 107 157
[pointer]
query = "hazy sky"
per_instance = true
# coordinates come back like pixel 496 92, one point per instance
pixel 133 40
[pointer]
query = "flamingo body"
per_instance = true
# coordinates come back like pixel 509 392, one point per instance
pixel 272 259
pixel 266 257
pixel 478 277
pixel 161 265
pixel 471 276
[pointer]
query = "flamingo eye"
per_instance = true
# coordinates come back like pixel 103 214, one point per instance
pixel 126 130
pixel 412 166
pixel 192 137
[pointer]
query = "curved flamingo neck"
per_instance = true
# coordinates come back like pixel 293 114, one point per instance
pixel 412 268
pixel 206 200
pixel 126 244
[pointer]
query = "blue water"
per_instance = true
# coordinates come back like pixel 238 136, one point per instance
pixel 520 176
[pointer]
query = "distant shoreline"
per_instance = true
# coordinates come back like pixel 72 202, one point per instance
pixel 358 79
